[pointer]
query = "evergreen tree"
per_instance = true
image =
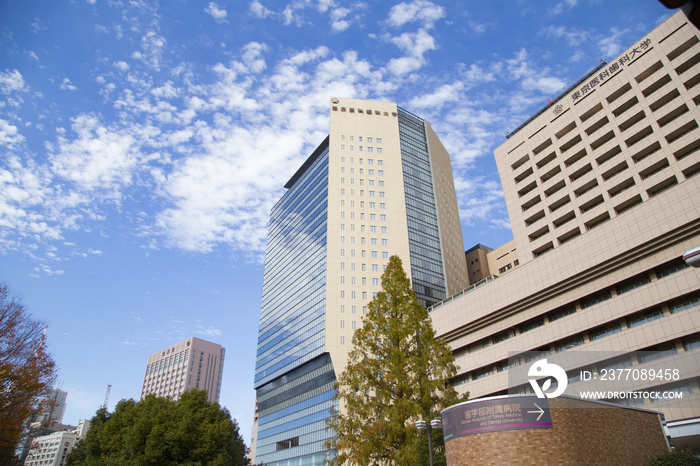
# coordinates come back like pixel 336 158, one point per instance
pixel 397 373
pixel 160 431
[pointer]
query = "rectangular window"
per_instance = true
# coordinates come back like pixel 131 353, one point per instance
pixel 373 241
pixel 385 255
pixel 369 149
pixel 670 268
pixel 375 267
pixel 379 150
pixel 668 349
pixel 374 254
pixel 370 172
pixel 597 334
pixel 370 161
pixel 379 140
pixel 562 312
pixel 384 229
pixel 644 317
pixel 375 281
pixel 382 205
pixel 373 229
pixel 381 193
pixel 372 205
pixel 569 343
pixel 373 216
pixel 686 302
pixel 385 242
pixel 380 162
pixel 595 298
pixel 371 194
pixel 382 217
pixel 380 172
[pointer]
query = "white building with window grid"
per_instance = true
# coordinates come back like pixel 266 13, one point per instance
pixel 603 199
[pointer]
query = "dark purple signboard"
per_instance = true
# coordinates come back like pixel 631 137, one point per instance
pixel 495 414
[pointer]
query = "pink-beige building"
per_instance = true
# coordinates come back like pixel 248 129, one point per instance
pixel 192 363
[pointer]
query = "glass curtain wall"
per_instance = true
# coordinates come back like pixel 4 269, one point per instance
pixel 427 271
pixel 293 377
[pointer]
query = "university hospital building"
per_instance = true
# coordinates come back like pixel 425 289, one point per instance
pixel 603 202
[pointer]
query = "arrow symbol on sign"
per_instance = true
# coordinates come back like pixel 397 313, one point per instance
pixel 541 411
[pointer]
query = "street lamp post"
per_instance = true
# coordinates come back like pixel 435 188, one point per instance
pixel 434 424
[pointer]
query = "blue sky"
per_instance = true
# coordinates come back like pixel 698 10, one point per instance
pixel 143 143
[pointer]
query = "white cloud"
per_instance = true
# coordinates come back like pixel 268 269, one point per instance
pixel 259 10
pixel 153 47
pixel 611 45
pixel 122 66
pixel 9 135
pixel 422 11
pixel 338 21
pixel 217 13
pixel 11 81
pixel 66 85
pixel 415 45
pixel 573 37
pixel 444 94
pixel 98 158
pixel 560 7
pixel 545 84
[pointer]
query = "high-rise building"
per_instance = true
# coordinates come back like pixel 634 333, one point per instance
pixel 53 409
pixel 192 363
pixel 603 199
pixel 379 185
pixel 48 418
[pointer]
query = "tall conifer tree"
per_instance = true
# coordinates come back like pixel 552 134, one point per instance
pixel 397 373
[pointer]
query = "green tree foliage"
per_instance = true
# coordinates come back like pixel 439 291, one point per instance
pixel 27 371
pixel 397 373
pixel 675 458
pixel 160 431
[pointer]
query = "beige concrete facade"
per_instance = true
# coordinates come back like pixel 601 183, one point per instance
pixel 367 219
pixel 192 363
pixel 503 259
pixel 623 135
pixel 603 202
